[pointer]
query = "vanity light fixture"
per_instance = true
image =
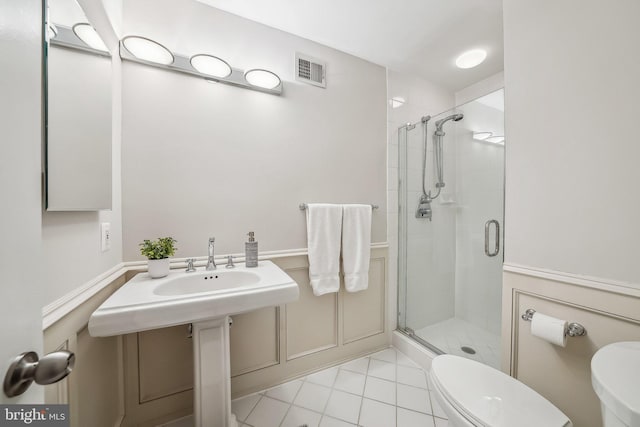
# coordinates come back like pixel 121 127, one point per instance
pixel 471 58
pixel 148 50
pixel 262 78
pixel 211 68
pixel 210 65
pixel 88 34
pixel 481 136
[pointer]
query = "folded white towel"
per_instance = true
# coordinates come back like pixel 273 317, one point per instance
pixel 324 226
pixel 356 246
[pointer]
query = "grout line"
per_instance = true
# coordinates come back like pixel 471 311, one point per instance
pixel 366 377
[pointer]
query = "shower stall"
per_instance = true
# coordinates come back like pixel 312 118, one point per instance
pixel 450 243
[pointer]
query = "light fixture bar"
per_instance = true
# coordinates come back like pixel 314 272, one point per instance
pixel 182 64
pixel 65 37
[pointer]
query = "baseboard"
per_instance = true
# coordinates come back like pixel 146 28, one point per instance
pixel 416 352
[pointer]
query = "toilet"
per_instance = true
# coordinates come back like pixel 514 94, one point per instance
pixel 615 376
pixel 476 395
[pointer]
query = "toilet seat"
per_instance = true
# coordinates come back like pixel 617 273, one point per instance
pixel 489 398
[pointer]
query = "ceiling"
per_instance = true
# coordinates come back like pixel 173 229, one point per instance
pixel 420 37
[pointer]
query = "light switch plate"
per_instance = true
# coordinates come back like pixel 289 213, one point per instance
pixel 105 236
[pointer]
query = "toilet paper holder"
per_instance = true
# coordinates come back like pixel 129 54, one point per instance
pixel 573 329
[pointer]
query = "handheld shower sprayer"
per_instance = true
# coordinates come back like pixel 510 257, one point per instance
pixel 424 205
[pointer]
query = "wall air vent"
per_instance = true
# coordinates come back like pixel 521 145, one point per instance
pixel 310 70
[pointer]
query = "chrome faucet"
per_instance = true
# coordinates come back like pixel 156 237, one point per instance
pixel 211 264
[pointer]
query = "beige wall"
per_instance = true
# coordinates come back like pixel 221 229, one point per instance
pixel 571 87
pixel 560 374
pixel 203 159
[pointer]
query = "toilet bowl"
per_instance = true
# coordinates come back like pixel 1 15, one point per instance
pixel 476 395
pixel 615 375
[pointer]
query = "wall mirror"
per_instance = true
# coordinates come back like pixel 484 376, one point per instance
pixel 78 112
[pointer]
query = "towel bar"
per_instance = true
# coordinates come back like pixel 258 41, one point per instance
pixel 303 206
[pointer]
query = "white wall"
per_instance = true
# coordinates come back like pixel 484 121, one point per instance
pixel 203 159
pixel 572 93
pixel 22 281
pixel 422 98
pixel 71 240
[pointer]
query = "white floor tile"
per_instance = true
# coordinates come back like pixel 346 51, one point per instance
pixel 359 365
pixel 332 422
pixel 297 417
pixel 242 407
pixel 416 399
pixel 180 422
pixel 437 409
pixel 384 370
pixel 286 392
pixel 412 376
pixel 376 414
pixel 379 389
pixel 405 361
pixel 388 355
pixel 414 419
pixel 344 406
pixel 352 382
pixel 312 396
pixel 267 413
pixel 325 377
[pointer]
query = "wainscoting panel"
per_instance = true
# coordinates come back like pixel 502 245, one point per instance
pixel 95 388
pixel 563 374
pixel 146 379
pixel 255 340
pixel 363 312
pixel 165 359
pixel 310 313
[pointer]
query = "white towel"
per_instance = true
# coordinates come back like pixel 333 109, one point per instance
pixel 324 226
pixel 356 246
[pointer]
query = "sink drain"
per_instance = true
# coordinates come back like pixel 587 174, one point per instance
pixel 468 350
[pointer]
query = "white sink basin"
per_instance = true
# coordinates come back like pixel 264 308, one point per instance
pixel 205 281
pixel 180 298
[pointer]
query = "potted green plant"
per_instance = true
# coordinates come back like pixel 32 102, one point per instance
pixel 158 253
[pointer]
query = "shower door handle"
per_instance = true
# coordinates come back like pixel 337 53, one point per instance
pixel 487 226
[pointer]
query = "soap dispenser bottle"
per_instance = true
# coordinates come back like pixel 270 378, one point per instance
pixel 251 251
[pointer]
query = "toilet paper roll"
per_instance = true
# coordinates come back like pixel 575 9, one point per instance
pixel 549 328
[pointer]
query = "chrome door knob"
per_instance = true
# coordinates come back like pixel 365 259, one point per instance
pixel 27 368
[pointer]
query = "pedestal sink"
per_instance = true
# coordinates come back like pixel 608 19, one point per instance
pixel 205 299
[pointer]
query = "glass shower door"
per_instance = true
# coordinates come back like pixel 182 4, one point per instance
pixel 450 268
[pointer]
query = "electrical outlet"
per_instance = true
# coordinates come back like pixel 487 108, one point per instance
pixel 105 236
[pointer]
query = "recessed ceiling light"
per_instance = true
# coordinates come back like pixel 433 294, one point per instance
pixel 496 139
pixel 396 102
pixel 481 136
pixel 89 36
pixel 210 65
pixel 471 58
pixel 148 50
pixel 262 78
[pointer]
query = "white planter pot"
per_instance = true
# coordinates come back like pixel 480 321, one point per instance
pixel 158 268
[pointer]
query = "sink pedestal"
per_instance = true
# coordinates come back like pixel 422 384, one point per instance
pixel 212 374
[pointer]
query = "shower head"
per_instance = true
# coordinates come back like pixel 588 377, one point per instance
pixel 454 117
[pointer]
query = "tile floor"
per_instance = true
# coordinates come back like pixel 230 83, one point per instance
pixel 450 335
pixel 384 389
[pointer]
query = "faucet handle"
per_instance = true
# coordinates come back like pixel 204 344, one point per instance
pixel 212 239
pixel 230 263
pixel 190 267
